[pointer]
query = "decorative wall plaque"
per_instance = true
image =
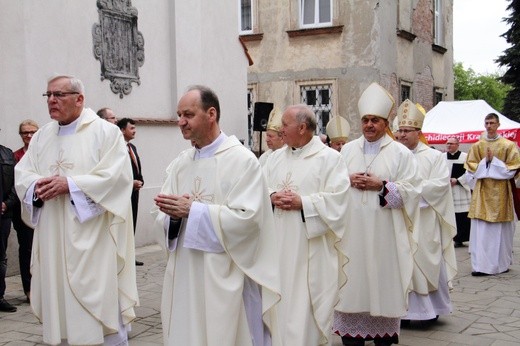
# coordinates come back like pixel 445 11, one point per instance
pixel 118 45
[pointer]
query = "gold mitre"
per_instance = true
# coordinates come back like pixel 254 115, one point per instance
pixel 409 115
pixel 338 128
pixel 275 120
pixel 375 100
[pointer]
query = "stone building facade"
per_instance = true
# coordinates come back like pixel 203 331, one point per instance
pixel 326 52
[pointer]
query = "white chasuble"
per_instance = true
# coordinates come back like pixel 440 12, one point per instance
pixel 202 301
pixel 83 274
pixel 435 226
pixel 435 264
pixel 310 274
pixel 378 240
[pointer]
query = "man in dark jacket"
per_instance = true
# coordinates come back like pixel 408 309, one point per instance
pixel 8 195
pixel 128 129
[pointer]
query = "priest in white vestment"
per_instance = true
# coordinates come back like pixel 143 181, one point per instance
pixel 273 135
pixel 378 241
pixel 435 264
pixel 308 182
pixel 215 219
pixel 491 165
pixel 75 182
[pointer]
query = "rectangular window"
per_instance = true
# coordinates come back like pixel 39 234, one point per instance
pixel 246 16
pixel 438 28
pixel 319 97
pixel 250 108
pixel 405 92
pixel 315 13
pixel 438 97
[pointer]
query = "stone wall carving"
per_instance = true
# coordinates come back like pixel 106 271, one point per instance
pixel 118 45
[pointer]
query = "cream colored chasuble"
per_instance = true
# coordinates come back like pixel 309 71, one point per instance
pixel 203 302
pixel 83 274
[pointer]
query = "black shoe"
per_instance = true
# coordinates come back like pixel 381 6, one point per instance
pixel 505 271
pixel 382 343
pixel 430 321
pixel 480 274
pixel 6 307
pixel 352 341
pixel 458 244
pixel 138 263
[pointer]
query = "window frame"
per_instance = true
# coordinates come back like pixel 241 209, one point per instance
pixel 316 108
pixel 251 17
pixel 251 97
pixel 438 22
pixel 316 23
pixel 402 86
pixel 436 93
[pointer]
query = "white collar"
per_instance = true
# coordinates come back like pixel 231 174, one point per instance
pixel 210 149
pixel 69 129
pixel 372 147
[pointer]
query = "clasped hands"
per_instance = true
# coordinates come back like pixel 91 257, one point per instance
pixel 286 200
pixel 489 154
pixel 366 181
pixel 138 184
pixel 49 187
pixel 175 206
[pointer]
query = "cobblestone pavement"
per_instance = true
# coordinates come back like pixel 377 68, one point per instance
pixel 486 309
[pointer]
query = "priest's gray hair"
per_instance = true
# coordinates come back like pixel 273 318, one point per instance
pixel 304 114
pixel 75 83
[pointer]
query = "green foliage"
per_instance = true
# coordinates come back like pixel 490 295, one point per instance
pixel 510 59
pixel 469 85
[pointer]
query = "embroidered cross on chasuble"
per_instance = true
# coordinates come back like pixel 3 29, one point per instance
pixel 197 194
pixel 61 165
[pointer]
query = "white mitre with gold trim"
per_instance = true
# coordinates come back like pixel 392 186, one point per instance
pixel 275 120
pixel 408 114
pixel 338 128
pixel 375 100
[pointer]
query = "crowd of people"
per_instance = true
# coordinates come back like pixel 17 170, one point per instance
pixel 315 237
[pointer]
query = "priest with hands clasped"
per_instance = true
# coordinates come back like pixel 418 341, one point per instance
pixel 378 239
pixel 491 164
pixel 308 184
pixel 435 264
pixel 75 183
pixel 214 217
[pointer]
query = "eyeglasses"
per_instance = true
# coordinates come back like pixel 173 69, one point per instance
pixel 452 143
pixel 405 131
pixel 59 94
pixel 27 133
